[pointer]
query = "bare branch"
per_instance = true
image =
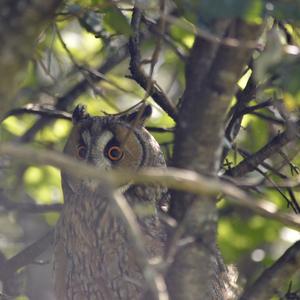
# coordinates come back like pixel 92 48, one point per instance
pixel 182 180
pixel 41 110
pixel 153 278
pixel 268 118
pixel 139 75
pixel 160 129
pixel 250 163
pixel 29 207
pixel 243 98
pixel 78 89
pixel 26 256
pixel 275 276
pixel 153 28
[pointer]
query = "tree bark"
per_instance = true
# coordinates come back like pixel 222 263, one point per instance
pixel 212 72
pixel 21 22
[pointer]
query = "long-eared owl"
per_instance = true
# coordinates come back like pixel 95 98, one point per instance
pixel 94 259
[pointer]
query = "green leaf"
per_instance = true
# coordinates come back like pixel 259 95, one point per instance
pixel 286 9
pixel 254 11
pixel 117 21
pixel 204 11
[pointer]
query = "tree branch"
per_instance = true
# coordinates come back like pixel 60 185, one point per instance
pixel 211 81
pixel 183 180
pixel 275 276
pixel 26 256
pixel 78 89
pixel 154 280
pixel 41 110
pixel 28 207
pixel 139 75
pixel 250 163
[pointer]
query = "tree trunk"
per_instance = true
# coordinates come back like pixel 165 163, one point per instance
pixel 212 72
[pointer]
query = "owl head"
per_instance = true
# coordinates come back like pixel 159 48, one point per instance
pixel 111 142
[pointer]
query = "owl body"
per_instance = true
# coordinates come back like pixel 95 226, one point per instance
pixel 93 253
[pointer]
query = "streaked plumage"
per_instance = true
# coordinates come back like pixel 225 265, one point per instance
pixel 93 254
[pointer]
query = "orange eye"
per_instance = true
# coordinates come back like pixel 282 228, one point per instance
pixel 115 153
pixel 81 151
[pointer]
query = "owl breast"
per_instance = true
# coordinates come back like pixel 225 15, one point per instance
pixel 93 252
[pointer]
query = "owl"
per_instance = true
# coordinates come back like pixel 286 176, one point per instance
pixel 93 256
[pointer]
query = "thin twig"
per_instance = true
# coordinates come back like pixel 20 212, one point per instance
pixel 36 109
pixel 160 129
pixel 139 75
pixel 155 55
pixel 214 38
pixel 178 179
pixel 290 201
pixel 153 28
pixel 28 207
pixel 250 163
pixel 78 89
pixel 268 118
pixel 73 60
pixel 155 280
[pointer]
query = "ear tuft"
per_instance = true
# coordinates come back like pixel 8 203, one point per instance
pixel 139 117
pixel 79 113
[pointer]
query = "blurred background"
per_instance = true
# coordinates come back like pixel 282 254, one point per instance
pixel 82 57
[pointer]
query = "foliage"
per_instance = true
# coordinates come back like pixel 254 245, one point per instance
pixel 83 36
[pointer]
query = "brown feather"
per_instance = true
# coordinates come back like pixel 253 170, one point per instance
pixel 94 259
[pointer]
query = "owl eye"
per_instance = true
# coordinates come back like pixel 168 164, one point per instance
pixel 115 153
pixel 81 151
